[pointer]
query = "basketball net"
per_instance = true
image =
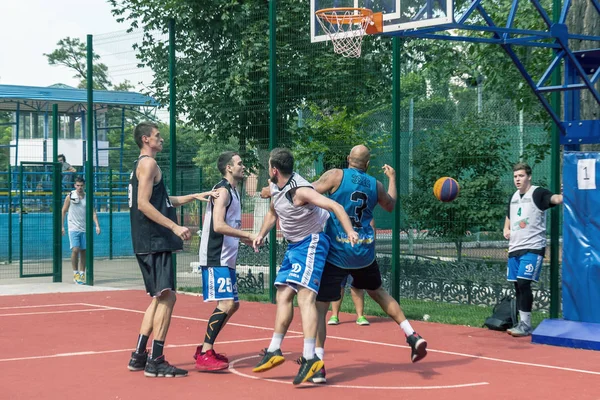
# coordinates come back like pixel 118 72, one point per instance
pixel 346 28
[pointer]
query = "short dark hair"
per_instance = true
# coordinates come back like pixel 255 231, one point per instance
pixel 80 179
pixel 283 160
pixel 143 129
pixel 224 160
pixel 521 165
pixel 63 157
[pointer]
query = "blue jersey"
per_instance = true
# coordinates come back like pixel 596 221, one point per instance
pixel 358 195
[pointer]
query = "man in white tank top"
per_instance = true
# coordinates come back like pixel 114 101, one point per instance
pixel 75 204
pixel 221 233
pixel 525 228
pixel 301 212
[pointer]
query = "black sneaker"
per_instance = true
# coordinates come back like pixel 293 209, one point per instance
pixel 138 361
pixel 319 376
pixel 418 347
pixel 307 369
pixel 160 367
pixel 270 359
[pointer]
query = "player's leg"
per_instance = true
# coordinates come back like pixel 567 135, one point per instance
pixel 337 305
pixel 74 244
pixel 163 289
pixel 272 355
pixel 369 278
pixel 218 286
pixel 512 270
pixel 82 255
pixel 358 298
pixel 530 266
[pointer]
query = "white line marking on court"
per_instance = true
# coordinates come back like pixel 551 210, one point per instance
pixel 87 353
pixel 49 312
pixel 583 371
pixel 462 385
pixel 39 306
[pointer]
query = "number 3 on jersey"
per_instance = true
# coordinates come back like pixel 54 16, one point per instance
pixel 361 198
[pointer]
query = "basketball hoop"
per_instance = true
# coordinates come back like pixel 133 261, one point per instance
pixel 346 27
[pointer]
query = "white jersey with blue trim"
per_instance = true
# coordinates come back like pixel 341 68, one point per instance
pixel 527 223
pixel 296 222
pixel 216 249
pixel 357 193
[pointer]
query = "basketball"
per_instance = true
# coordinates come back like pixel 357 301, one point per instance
pixel 446 189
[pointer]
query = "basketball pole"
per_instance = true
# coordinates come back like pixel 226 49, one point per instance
pixel 272 133
pixel 395 278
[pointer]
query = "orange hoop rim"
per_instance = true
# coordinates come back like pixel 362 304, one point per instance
pixel 330 15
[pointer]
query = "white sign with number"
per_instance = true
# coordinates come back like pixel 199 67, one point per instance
pixel 586 174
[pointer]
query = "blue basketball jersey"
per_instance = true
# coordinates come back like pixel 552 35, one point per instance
pixel 358 195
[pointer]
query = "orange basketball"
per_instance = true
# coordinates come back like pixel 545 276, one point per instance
pixel 446 189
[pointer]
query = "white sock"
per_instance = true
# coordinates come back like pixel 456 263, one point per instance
pixel 405 325
pixel 525 318
pixel 309 348
pixel 320 352
pixel 276 341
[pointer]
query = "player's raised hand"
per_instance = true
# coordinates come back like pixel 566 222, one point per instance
pixel 389 171
pixel 206 196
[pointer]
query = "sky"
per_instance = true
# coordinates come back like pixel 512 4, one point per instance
pixel 30 28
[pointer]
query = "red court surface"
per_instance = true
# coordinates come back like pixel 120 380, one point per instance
pixel 77 345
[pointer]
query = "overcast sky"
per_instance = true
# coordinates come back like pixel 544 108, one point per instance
pixel 30 28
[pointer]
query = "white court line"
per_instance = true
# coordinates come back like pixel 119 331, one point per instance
pixel 43 305
pixel 49 312
pixel 461 385
pixel 499 360
pixel 87 353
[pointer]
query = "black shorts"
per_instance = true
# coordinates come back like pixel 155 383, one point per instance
pixel 157 272
pixel 368 278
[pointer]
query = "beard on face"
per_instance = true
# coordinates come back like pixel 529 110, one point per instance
pixel 274 179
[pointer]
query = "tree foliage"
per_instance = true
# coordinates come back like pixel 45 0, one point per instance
pixel 474 152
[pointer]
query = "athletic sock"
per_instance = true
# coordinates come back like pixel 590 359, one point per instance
pixel 141 344
pixel 309 348
pixel 157 348
pixel 320 352
pixel 525 317
pixel 276 341
pixel 405 325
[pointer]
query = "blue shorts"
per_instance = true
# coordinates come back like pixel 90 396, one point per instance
pixel 219 283
pixel 77 239
pixel 303 262
pixel 528 266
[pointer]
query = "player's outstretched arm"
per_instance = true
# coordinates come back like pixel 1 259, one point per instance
pixel 267 225
pixel 305 195
pixel 329 181
pixel 219 213
pixel 178 201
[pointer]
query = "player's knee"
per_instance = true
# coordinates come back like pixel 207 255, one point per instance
pixel 378 294
pixel 168 297
pixel 228 306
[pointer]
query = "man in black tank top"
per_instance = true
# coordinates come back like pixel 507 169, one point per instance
pixel 155 235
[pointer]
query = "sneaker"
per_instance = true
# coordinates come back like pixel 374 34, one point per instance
pixel 509 330
pixel 521 330
pixel 319 376
pixel 307 369
pixel 362 321
pixel 219 356
pixel 76 277
pixel 418 347
pixel 209 362
pixel 333 321
pixel 138 361
pixel 160 367
pixel 270 359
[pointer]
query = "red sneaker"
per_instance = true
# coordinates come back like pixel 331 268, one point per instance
pixel 219 356
pixel 209 362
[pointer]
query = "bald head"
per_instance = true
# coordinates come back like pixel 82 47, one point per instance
pixel 359 157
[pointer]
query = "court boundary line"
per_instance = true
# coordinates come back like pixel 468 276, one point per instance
pixel 466 355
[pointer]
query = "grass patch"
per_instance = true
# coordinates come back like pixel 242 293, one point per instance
pixel 415 310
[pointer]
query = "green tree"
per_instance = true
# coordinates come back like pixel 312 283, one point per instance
pixel 474 152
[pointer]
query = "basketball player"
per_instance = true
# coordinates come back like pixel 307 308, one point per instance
pixel 302 212
pixel 359 193
pixel 525 228
pixel 155 235
pixel 218 253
